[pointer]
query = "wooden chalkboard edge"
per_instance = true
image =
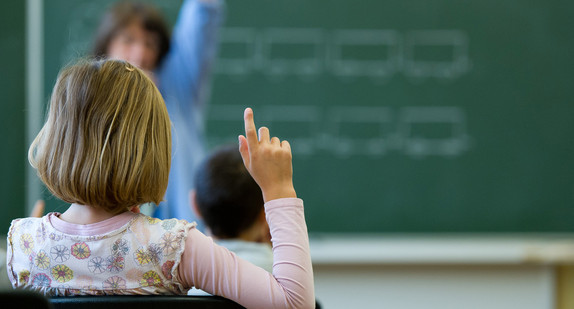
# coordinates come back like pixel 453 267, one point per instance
pixel 555 249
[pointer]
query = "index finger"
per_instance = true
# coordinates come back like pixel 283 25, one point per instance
pixel 250 131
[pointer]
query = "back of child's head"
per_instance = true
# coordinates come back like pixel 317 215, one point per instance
pixel 226 195
pixel 107 140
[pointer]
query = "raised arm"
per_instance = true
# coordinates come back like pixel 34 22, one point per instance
pixel 216 270
pixel 184 75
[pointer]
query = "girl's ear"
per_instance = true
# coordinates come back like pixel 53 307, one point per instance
pixel 193 204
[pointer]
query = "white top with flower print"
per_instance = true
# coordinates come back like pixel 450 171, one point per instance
pixel 136 254
pixel 135 258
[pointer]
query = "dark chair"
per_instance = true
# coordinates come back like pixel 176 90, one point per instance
pixel 143 302
pixel 25 299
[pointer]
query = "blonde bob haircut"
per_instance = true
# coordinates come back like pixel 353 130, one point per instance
pixel 107 140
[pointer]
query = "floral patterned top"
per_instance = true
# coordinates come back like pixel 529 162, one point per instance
pixel 140 257
pixel 136 254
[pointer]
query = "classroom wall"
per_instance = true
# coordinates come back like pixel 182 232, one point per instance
pixel 444 271
pixel 435 287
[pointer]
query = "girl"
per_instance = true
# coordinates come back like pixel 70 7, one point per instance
pixel 181 67
pixel 105 148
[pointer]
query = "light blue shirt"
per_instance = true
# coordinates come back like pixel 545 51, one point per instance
pixel 260 254
pixel 183 78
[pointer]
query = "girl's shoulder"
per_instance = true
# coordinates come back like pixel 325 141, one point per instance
pixel 151 228
pixel 22 225
pixel 139 224
pixel 166 224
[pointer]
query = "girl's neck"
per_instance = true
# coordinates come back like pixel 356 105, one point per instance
pixel 83 214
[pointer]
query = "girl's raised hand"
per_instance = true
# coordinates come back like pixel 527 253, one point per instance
pixel 268 160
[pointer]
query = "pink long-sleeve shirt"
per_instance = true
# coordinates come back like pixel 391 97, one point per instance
pixel 36 261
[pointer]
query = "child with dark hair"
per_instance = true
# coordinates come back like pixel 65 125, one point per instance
pixel 231 204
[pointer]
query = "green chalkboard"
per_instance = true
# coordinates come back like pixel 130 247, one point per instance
pixel 12 111
pixel 404 116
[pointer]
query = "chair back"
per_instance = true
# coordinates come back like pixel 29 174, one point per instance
pixel 143 302
pixel 25 299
